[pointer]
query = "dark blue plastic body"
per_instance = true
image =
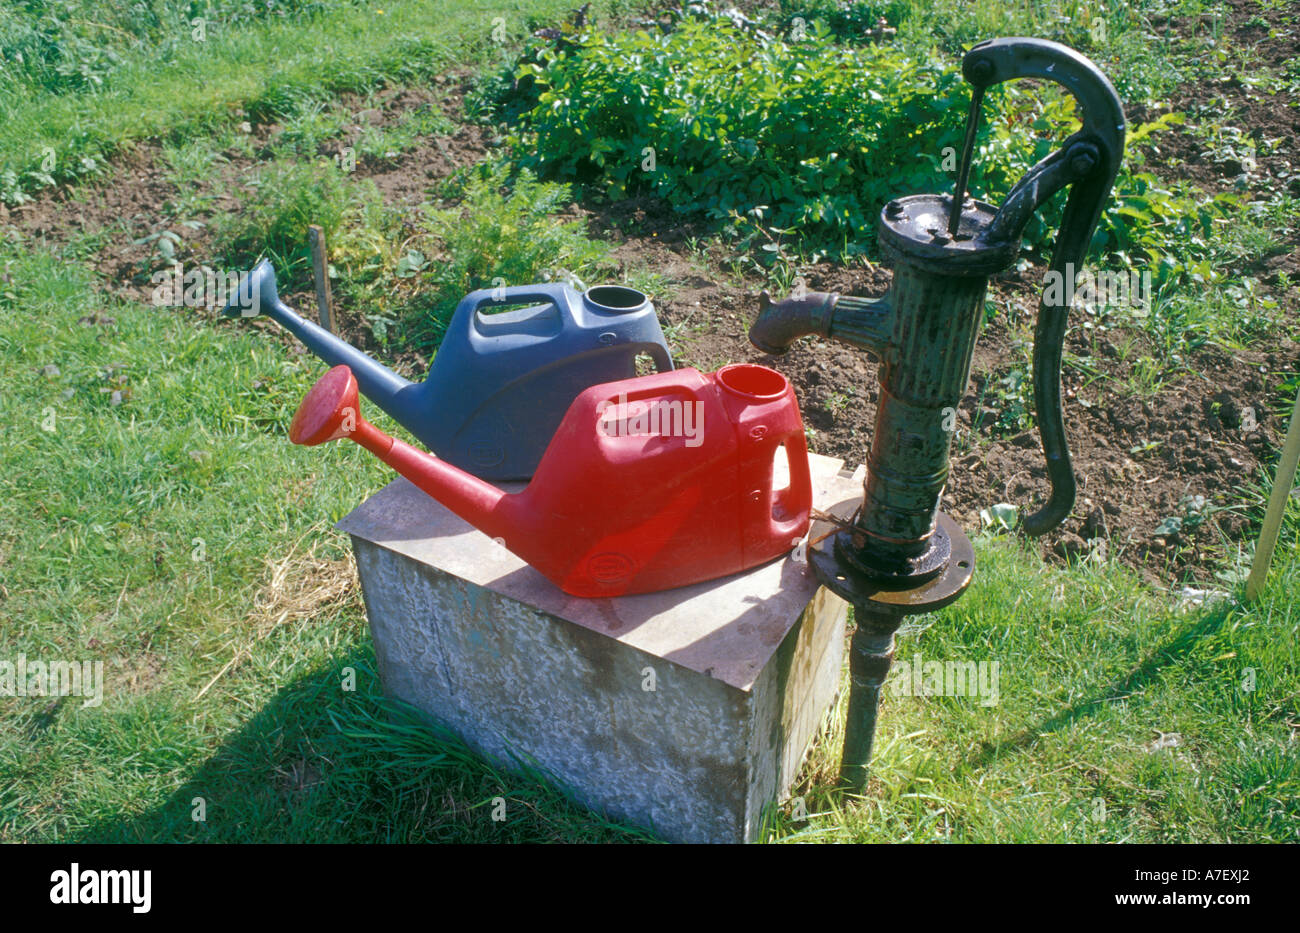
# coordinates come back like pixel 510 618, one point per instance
pixel 501 381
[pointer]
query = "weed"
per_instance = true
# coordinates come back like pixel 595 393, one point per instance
pixel 286 198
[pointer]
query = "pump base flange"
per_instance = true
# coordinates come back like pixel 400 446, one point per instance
pixel 896 572
pixel 893 594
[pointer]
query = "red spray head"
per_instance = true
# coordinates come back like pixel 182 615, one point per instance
pixel 329 411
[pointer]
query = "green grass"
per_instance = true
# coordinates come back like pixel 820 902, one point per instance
pixel 175 87
pixel 287 196
pixel 178 536
pixel 143 533
pixel 1092 668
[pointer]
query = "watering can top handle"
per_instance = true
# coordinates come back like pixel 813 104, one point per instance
pixel 556 293
pixel 657 352
pixel 1087 163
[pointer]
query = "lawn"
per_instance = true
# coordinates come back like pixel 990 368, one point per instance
pixel 153 515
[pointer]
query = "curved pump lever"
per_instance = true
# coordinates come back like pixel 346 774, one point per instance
pixel 1088 162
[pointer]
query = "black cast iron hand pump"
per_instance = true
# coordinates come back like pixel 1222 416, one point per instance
pixel 901 555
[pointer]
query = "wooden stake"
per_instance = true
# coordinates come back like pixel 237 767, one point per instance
pixel 320 273
pixel 1282 484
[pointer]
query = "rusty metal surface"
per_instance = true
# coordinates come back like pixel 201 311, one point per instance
pixel 862 589
pixel 870 657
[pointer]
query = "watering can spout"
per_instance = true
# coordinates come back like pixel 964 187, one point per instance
pixel 330 411
pixel 510 362
pixel 258 294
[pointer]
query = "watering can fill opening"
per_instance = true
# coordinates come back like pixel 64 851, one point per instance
pixel 749 380
pixel 633 511
pixel 615 299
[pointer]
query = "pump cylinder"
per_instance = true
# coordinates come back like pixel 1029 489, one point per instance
pixel 923 377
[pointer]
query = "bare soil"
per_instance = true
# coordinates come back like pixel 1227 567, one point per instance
pixel 1137 458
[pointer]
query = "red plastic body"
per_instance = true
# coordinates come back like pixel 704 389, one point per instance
pixel 633 494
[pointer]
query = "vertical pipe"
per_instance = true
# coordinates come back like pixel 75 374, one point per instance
pixel 870 655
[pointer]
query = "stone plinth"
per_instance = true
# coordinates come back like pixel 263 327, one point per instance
pixel 685 711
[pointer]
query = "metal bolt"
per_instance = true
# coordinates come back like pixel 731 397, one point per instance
pixel 1083 163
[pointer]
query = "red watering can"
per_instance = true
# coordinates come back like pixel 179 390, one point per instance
pixel 648 484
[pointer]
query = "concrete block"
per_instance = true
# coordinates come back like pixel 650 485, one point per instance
pixel 685 711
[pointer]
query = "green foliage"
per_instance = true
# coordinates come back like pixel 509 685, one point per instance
pixel 288 197
pixel 404 275
pixel 499 231
pixel 504 229
pixel 805 136
pixel 1152 223
pixel 809 138
pixel 852 22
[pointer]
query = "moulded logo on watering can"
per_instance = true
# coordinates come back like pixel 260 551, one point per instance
pixel 486 453
pixel 487 449
pixel 611 568
pixel 608 515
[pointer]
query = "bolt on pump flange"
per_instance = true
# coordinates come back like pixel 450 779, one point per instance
pixel 899 555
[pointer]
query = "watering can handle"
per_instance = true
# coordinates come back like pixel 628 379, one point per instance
pixel 657 352
pixel 557 295
pixel 796 499
pixel 1087 163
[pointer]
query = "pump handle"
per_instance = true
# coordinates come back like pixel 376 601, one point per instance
pixel 1088 163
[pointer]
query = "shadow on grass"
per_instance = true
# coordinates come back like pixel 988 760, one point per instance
pixel 1177 647
pixel 321 764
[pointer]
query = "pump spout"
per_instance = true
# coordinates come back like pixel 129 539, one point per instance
pixel 331 411
pixel 258 295
pixel 862 322
pixel 780 323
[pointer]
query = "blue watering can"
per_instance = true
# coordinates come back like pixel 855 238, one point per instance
pixel 501 381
